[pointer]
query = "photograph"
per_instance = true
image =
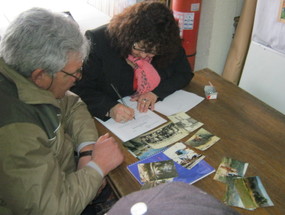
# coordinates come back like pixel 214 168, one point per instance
pixel 163 136
pixel 202 140
pixel 247 192
pixel 150 184
pixel 230 168
pixel 183 155
pixel 232 197
pixel 258 192
pixel 183 120
pixel 139 149
pixel 157 170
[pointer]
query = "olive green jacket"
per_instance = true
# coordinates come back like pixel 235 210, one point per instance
pixel 38 137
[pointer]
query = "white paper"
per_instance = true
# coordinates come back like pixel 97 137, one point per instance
pixel 142 123
pixel 179 101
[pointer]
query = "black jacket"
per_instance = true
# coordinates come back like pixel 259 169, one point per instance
pixel 105 66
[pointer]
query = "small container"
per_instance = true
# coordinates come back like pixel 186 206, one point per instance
pixel 210 92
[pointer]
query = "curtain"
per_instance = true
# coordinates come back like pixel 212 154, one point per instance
pixel 239 47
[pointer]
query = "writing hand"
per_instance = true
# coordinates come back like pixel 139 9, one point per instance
pixel 121 113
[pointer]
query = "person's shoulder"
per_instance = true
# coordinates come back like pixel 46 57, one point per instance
pixel 97 32
pixel 100 42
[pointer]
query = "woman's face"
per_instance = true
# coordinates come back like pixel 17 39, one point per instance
pixel 139 51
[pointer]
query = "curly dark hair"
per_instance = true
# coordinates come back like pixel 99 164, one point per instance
pixel 151 22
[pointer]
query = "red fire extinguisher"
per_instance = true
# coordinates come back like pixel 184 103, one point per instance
pixel 187 12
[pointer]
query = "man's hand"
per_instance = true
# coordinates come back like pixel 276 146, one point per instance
pixel 107 153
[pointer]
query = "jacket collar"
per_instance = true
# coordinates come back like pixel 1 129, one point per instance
pixel 28 92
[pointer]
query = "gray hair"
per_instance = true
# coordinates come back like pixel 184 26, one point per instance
pixel 38 38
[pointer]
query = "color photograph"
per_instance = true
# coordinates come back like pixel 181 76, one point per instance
pixel 140 149
pixel 230 168
pixel 157 170
pixel 202 140
pixel 183 155
pixel 248 193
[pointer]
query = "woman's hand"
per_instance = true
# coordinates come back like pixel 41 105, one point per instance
pixel 145 101
pixel 121 113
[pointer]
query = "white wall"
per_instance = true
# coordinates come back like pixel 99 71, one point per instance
pixel 215 33
pixel 85 14
pixel 264 75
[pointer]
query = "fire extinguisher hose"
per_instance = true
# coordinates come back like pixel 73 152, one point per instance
pixel 191 55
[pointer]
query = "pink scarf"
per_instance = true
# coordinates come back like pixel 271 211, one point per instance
pixel 146 77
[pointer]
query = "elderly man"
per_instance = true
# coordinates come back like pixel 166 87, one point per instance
pixel 42 123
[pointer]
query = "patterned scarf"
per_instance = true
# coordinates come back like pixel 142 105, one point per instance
pixel 146 77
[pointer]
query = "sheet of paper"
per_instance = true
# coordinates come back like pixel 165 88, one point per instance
pixel 179 101
pixel 142 123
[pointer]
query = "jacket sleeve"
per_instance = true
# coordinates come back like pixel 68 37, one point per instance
pixel 176 76
pixel 76 120
pixel 33 180
pixel 90 87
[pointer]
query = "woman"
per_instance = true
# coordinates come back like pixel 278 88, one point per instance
pixel 138 54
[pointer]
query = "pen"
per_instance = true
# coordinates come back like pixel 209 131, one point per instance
pixel 119 95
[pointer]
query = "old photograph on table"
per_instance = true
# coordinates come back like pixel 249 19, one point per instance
pixel 202 140
pixel 248 193
pixel 183 155
pixel 140 149
pixel 230 168
pixel 150 184
pixel 157 170
pixel 163 136
pixel 183 120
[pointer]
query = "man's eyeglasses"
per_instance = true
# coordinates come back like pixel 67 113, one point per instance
pixel 77 74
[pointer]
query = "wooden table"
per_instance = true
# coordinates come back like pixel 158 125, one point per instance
pixel 250 131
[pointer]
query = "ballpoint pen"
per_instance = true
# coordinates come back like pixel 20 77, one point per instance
pixel 119 95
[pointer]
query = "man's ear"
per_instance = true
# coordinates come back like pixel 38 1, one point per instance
pixel 38 76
